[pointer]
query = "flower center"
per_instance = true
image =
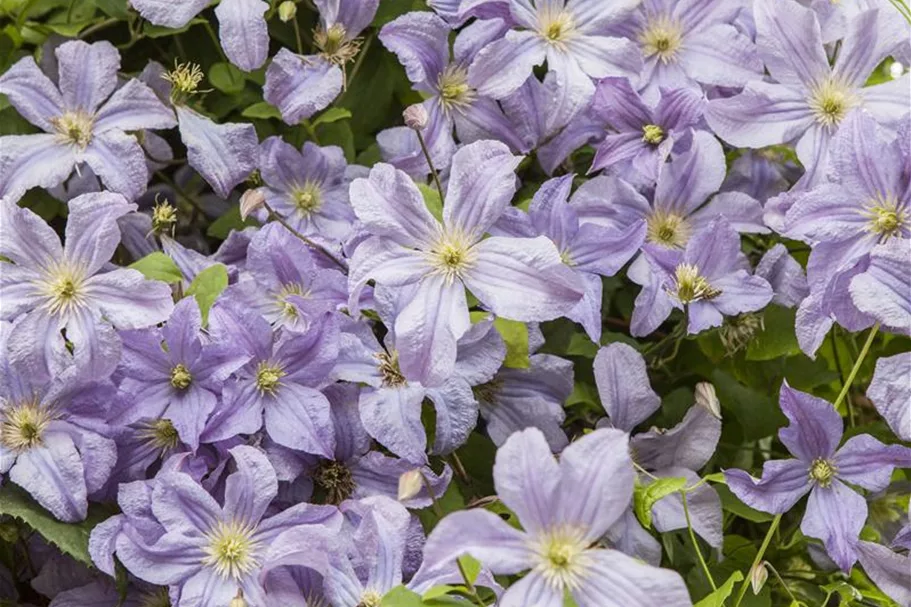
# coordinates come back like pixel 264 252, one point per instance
pixel 389 369
pixel 64 291
pixel 822 471
pixel 184 79
pixel 181 377
pixel 831 101
pixel 22 427
pixel 738 331
pixel 653 134
pixel 667 229
pixel 334 44
pixel 885 216
pixel 454 90
pixel 287 308
pixel 231 550
pixel 562 559
pixel 452 256
pixel 268 377
pixel 370 598
pixel 307 198
pixel 691 286
pixel 335 479
pixel 662 37
pixel 556 27
pixel 161 434
pixel 75 127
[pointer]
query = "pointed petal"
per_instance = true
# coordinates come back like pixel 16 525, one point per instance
pixel 482 534
pixel 835 515
pixel 224 154
pixel 251 488
pixel 88 73
pixel 32 93
pixel 623 386
pixel 502 66
pixel 891 392
pixel 815 429
pixel 790 42
pixel 763 114
pixel 616 580
pixel 782 485
pixel 120 162
pixel 168 14
pixel 867 463
pixel 301 86
pixel 243 32
pixel 133 107
pixel 28 161
pixel 526 478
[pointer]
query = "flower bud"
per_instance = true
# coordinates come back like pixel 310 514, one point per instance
pixel 250 202
pixel 287 11
pixel 416 117
pixel 706 397
pixel 758 577
pixel 410 484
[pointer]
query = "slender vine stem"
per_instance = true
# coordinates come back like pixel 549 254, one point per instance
pixel 433 169
pixel 310 243
pixel 689 528
pixel 857 364
pixel 758 559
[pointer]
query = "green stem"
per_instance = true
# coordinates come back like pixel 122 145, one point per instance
pixel 297 34
pixel 433 169
pixel 302 238
pixel 311 131
pixel 841 373
pixel 857 364
pixel 689 527
pixel 785 586
pixel 69 11
pixel 98 27
pixel 758 559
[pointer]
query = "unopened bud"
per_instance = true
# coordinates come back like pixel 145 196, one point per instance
pixel 416 117
pixel 706 397
pixel 287 11
pixel 410 484
pixel 250 202
pixel 758 577
pixel 238 601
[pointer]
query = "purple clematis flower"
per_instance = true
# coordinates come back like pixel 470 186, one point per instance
pixel 709 279
pixel 279 387
pixel 564 508
pixel 82 122
pixel 207 550
pixel 571 36
pixel 645 136
pixel 520 279
pixel 690 43
pixel 309 188
pixel 628 399
pixel 58 287
pixel 421 42
pixel 590 249
pixel 867 203
pixel 242 25
pixel 890 392
pixel 809 100
pixel 299 86
pixel 835 513
pixel 283 282
pixel 53 436
pixel 172 374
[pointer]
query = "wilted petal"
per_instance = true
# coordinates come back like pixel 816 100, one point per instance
pixel 526 477
pixel 623 386
pixel 690 444
pixel 243 32
pixel 890 392
pixel 301 86
pixel 224 154
pixel 835 515
pixel 782 485
pixel 785 275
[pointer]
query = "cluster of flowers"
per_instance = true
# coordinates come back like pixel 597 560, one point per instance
pixel 218 426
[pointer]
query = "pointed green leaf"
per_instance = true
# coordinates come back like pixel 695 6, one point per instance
pixel 158 266
pixel 207 286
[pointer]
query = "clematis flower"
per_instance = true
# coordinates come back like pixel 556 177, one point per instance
pixel 572 37
pixel 279 387
pixel 867 203
pixel 61 287
pixel 83 122
pixel 420 40
pixel 171 374
pixel 299 86
pixel 891 392
pixel 221 547
pixel 628 399
pixel 644 135
pixel 308 188
pixel 564 509
pixel 809 100
pixel 54 439
pixel 709 279
pixel 691 43
pixel 242 25
pixel 835 513
pixel 520 279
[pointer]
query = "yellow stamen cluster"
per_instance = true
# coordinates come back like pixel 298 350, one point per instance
pixel 161 434
pixel 454 90
pixel 63 290
pixel 830 102
pixel 288 309
pixel 389 369
pixel 164 216
pixel 22 426
pixel 370 598
pixel 822 471
pixel 74 128
pixel 334 44
pixel 662 37
pixel 652 134
pixel 335 479
pixel 562 557
pixel 885 217
pixel 181 377
pixel 231 550
pixel 268 377
pixel 452 256
pixel 307 198
pixel 667 229
pixel 691 286
pixel 184 79
pixel 556 27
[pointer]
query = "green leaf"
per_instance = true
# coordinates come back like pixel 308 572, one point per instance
pixel 158 266
pixel 230 220
pixel 226 78
pixel 645 496
pixel 471 567
pixel 731 503
pixel 717 598
pixel 158 31
pixel 432 200
pixel 758 414
pixel 401 597
pixel 338 133
pixel 515 335
pixel 207 286
pixel 777 337
pixel 438 591
pixel 114 8
pixel 71 538
pixel 263 110
pixel 331 115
